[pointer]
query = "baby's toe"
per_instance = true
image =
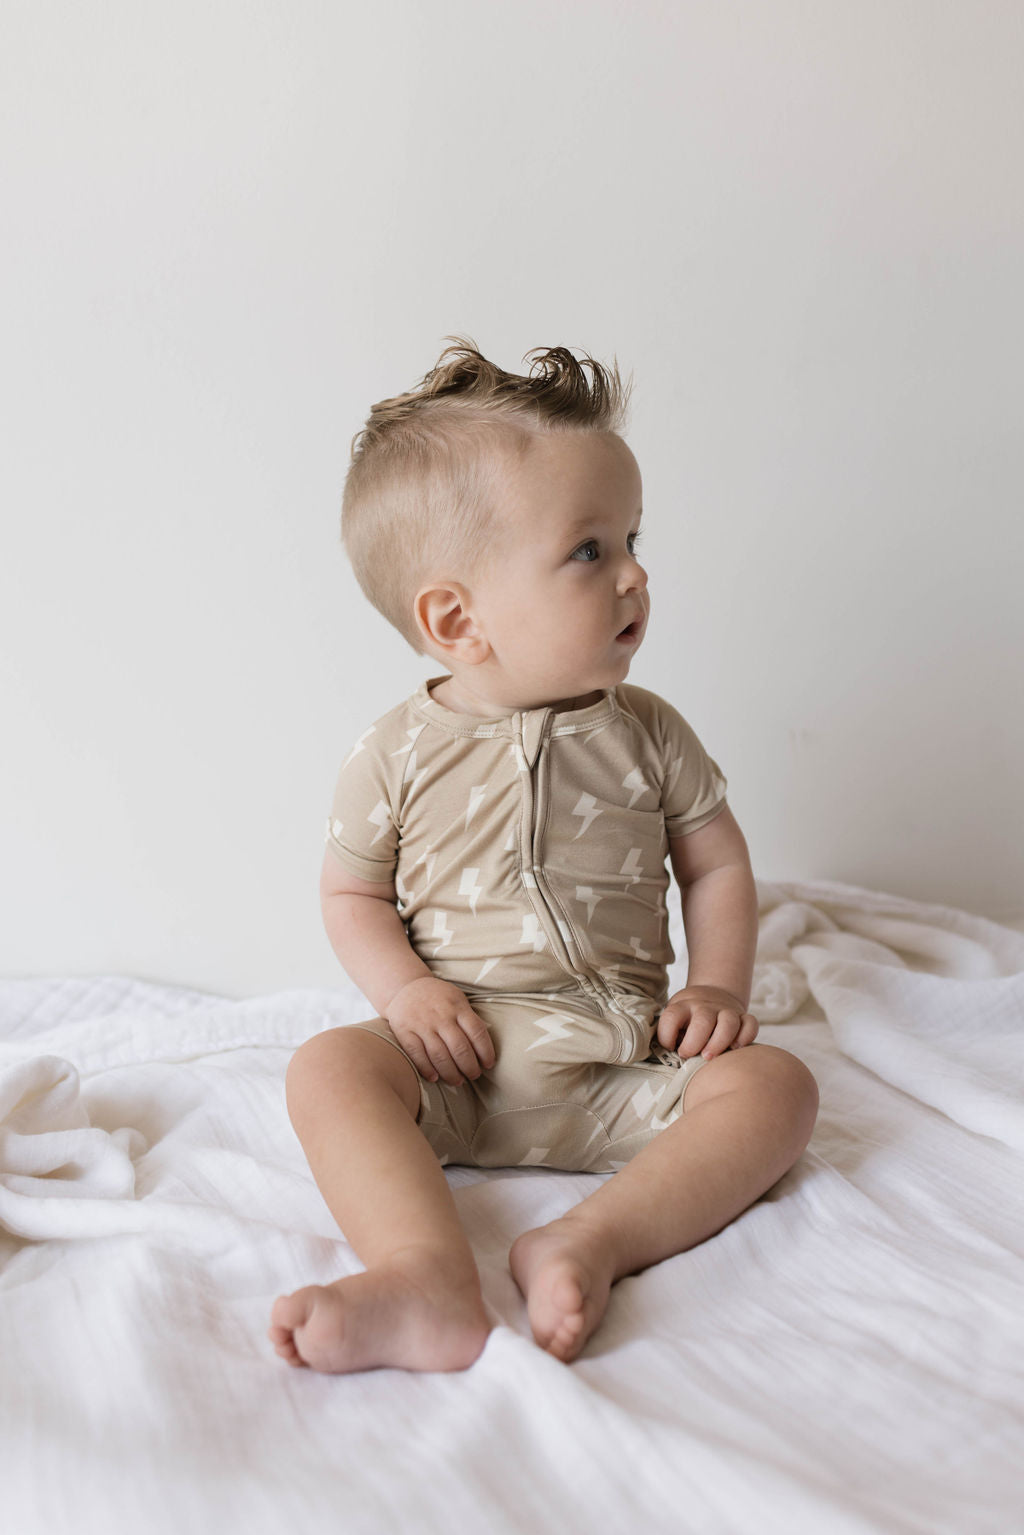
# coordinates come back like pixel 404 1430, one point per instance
pixel 289 1312
pixel 568 1336
pixel 290 1356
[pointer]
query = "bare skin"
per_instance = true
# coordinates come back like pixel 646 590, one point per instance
pixel 748 1114
pixel 565 1275
pixel 408 1316
pixel 353 1100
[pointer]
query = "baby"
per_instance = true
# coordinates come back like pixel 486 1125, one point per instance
pixel 495 884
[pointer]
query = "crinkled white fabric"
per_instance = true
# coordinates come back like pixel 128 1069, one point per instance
pixel 48 1149
pixel 847 1356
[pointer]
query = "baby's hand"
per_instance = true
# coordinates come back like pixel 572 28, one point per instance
pixel 711 1019
pixel 439 1031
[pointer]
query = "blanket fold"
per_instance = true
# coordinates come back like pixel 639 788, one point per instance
pixel 928 998
pixel 48 1148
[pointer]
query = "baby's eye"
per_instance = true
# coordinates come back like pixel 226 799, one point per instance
pixel 587 552
pixel 633 541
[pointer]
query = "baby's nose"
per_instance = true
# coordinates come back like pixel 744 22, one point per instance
pixel 632 575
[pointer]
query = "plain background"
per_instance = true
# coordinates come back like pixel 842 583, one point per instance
pixel 228 229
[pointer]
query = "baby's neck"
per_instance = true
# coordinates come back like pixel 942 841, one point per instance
pixel 460 701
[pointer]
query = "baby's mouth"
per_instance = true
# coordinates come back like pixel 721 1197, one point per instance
pixel 631 631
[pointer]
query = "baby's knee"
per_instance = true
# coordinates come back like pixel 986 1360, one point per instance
pixel 334 1063
pixel 791 1083
pixel 772 1079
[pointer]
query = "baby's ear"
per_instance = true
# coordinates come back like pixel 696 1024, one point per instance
pixel 445 620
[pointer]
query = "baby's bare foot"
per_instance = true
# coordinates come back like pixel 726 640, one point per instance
pixel 407 1316
pixel 565 1274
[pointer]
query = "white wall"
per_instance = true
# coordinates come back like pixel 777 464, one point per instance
pixel 229 228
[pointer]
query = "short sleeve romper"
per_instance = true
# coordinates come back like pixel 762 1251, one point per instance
pixel 529 858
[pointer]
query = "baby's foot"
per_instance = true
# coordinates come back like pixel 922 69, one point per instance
pixel 409 1318
pixel 565 1275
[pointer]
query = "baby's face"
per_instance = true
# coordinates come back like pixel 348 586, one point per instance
pixel 565 608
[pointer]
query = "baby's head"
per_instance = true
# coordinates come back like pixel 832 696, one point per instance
pixel 492 519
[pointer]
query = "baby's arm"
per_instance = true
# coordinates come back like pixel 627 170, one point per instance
pixel 431 1018
pixel 719 900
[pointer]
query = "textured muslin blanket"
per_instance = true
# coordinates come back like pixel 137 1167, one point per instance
pixel 847 1356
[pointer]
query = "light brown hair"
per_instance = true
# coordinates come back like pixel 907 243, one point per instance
pixel 423 491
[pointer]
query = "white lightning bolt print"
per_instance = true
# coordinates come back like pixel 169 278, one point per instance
pixel 552 1027
pixel 412 734
pixel 643 1100
pixel 476 795
pixel 673 773
pixel 469 885
pixel 532 932
pixel 585 807
pixel 486 970
pixel 427 858
pixel 636 784
pixel 632 866
pixel 535 1156
pixel 380 817
pixel 442 931
pixel 598 1130
pixel 411 776
pixel 359 747
pixel 585 895
pixel 638 952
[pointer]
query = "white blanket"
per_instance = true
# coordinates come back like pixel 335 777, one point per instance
pixel 847 1356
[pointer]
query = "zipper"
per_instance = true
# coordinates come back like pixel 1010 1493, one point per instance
pixel 535 780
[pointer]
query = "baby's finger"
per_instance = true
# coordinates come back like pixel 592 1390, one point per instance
pixel 413 1047
pixel 475 1031
pixel 726 1030
pixel 461 1050
pixel 748 1032
pixel 441 1060
pixel 699 1029
pixel 671 1024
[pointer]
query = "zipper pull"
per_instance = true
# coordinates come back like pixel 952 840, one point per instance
pixel 532 730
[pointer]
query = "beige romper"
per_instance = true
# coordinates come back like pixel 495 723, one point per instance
pixel 529 858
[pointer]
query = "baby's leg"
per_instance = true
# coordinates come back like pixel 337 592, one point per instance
pixel 353 1099
pixel 748 1116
